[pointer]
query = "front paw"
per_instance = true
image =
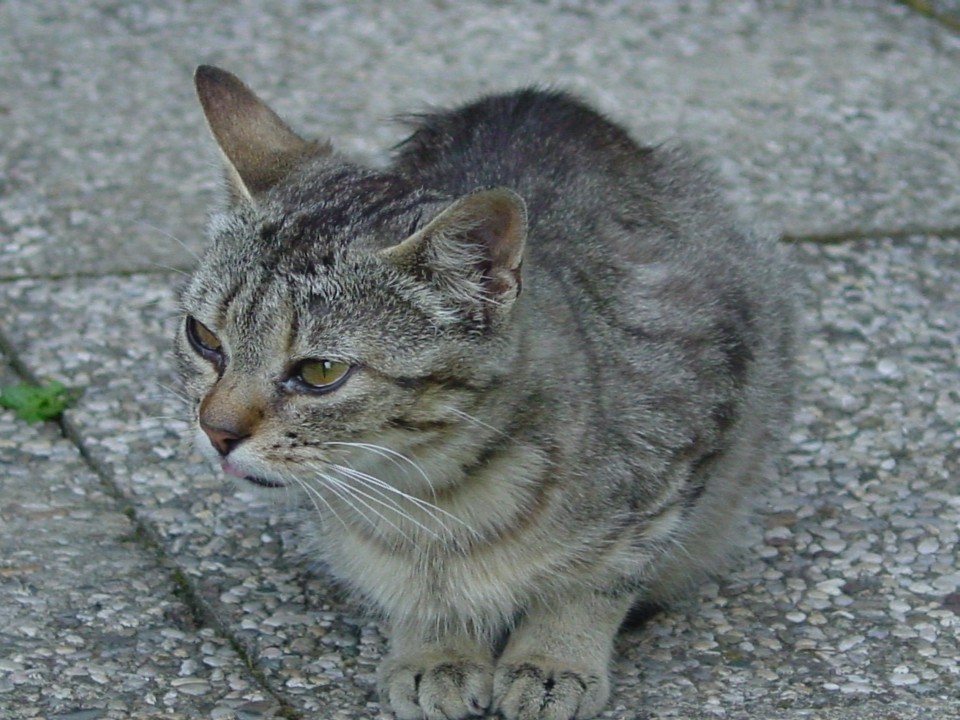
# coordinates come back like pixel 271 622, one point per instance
pixel 540 688
pixel 433 686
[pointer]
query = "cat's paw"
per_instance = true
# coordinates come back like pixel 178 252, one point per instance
pixel 539 688
pixel 436 687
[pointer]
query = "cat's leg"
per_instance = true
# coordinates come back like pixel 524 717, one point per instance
pixel 446 679
pixel 556 663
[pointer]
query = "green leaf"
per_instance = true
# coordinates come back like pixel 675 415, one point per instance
pixel 35 403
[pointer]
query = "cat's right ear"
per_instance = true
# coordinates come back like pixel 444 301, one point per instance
pixel 472 251
pixel 259 149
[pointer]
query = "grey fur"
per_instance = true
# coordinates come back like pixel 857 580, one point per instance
pixel 519 454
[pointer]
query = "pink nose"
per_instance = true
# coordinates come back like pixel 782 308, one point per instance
pixel 223 439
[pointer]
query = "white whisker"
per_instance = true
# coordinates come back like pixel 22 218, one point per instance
pixel 389 454
pixel 314 494
pixel 359 496
pixel 377 482
pixel 174 392
pixel 475 421
pixel 178 271
pixel 384 499
pixel 171 236
pixel 433 511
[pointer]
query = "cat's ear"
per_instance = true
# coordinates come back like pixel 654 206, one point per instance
pixel 258 147
pixel 472 250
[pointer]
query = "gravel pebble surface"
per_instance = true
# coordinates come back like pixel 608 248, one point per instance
pixel 90 625
pixel 822 116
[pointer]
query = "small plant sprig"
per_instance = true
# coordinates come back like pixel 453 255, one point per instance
pixel 36 403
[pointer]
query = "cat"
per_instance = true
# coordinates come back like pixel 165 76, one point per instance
pixel 527 377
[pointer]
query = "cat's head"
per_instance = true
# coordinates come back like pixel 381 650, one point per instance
pixel 339 313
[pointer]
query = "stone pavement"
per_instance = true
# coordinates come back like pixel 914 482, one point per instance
pixel 136 583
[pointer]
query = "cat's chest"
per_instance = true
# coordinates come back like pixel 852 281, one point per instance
pixel 433 581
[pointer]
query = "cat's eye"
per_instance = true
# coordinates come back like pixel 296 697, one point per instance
pixel 320 375
pixel 204 341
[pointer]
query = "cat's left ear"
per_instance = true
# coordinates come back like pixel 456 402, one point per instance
pixel 472 251
pixel 259 148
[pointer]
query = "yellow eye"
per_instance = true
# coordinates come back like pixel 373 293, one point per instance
pixel 207 338
pixel 322 374
pixel 203 340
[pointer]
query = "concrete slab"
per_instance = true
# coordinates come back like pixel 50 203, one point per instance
pixel 848 606
pixel 91 626
pixel 822 117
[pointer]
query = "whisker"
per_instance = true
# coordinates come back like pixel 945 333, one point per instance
pixel 314 494
pixel 177 395
pixel 475 421
pixel 171 268
pixel 378 450
pixel 172 315
pixel 386 501
pixel 171 236
pixel 434 511
pixel 387 453
pixel 335 486
pixel 151 303
pixel 377 482
pixel 359 495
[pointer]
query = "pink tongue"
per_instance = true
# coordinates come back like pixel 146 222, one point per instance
pixel 231 470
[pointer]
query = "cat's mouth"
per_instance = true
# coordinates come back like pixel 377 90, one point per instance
pixel 233 471
pixel 263 482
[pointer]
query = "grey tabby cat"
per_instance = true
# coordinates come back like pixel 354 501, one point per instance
pixel 527 377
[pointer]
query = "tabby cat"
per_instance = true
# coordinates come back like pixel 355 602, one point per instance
pixel 527 377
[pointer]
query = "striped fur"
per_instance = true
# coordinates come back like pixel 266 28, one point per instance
pixel 571 372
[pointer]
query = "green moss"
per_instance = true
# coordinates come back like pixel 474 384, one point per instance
pixel 36 403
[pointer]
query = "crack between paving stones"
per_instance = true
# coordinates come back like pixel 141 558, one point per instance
pixel 827 238
pixel 93 274
pixel 203 614
pixel 926 8
pixel 839 238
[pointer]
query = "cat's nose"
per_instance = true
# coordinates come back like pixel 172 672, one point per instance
pixel 223 439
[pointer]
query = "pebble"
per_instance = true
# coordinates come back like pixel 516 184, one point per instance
pixel 902 676
pixel 888 368
pixel 898 605
pixel 928 546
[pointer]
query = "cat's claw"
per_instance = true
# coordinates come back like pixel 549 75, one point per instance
pixel 545 689
pixel 431 688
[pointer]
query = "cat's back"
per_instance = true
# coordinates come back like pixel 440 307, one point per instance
pixel 534 141
pixel 637 235
pixel 593 194
pixel 668 298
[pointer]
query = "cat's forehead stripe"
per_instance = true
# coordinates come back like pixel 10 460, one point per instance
pixel 257 316
pixel 327 216
pixel 226 301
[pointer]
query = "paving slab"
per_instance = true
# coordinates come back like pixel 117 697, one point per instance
pixel 847 606
pixel 822 117
pixel 90 625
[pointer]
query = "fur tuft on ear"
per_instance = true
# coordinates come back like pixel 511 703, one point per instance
pixel 472 251
pixel 258 147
